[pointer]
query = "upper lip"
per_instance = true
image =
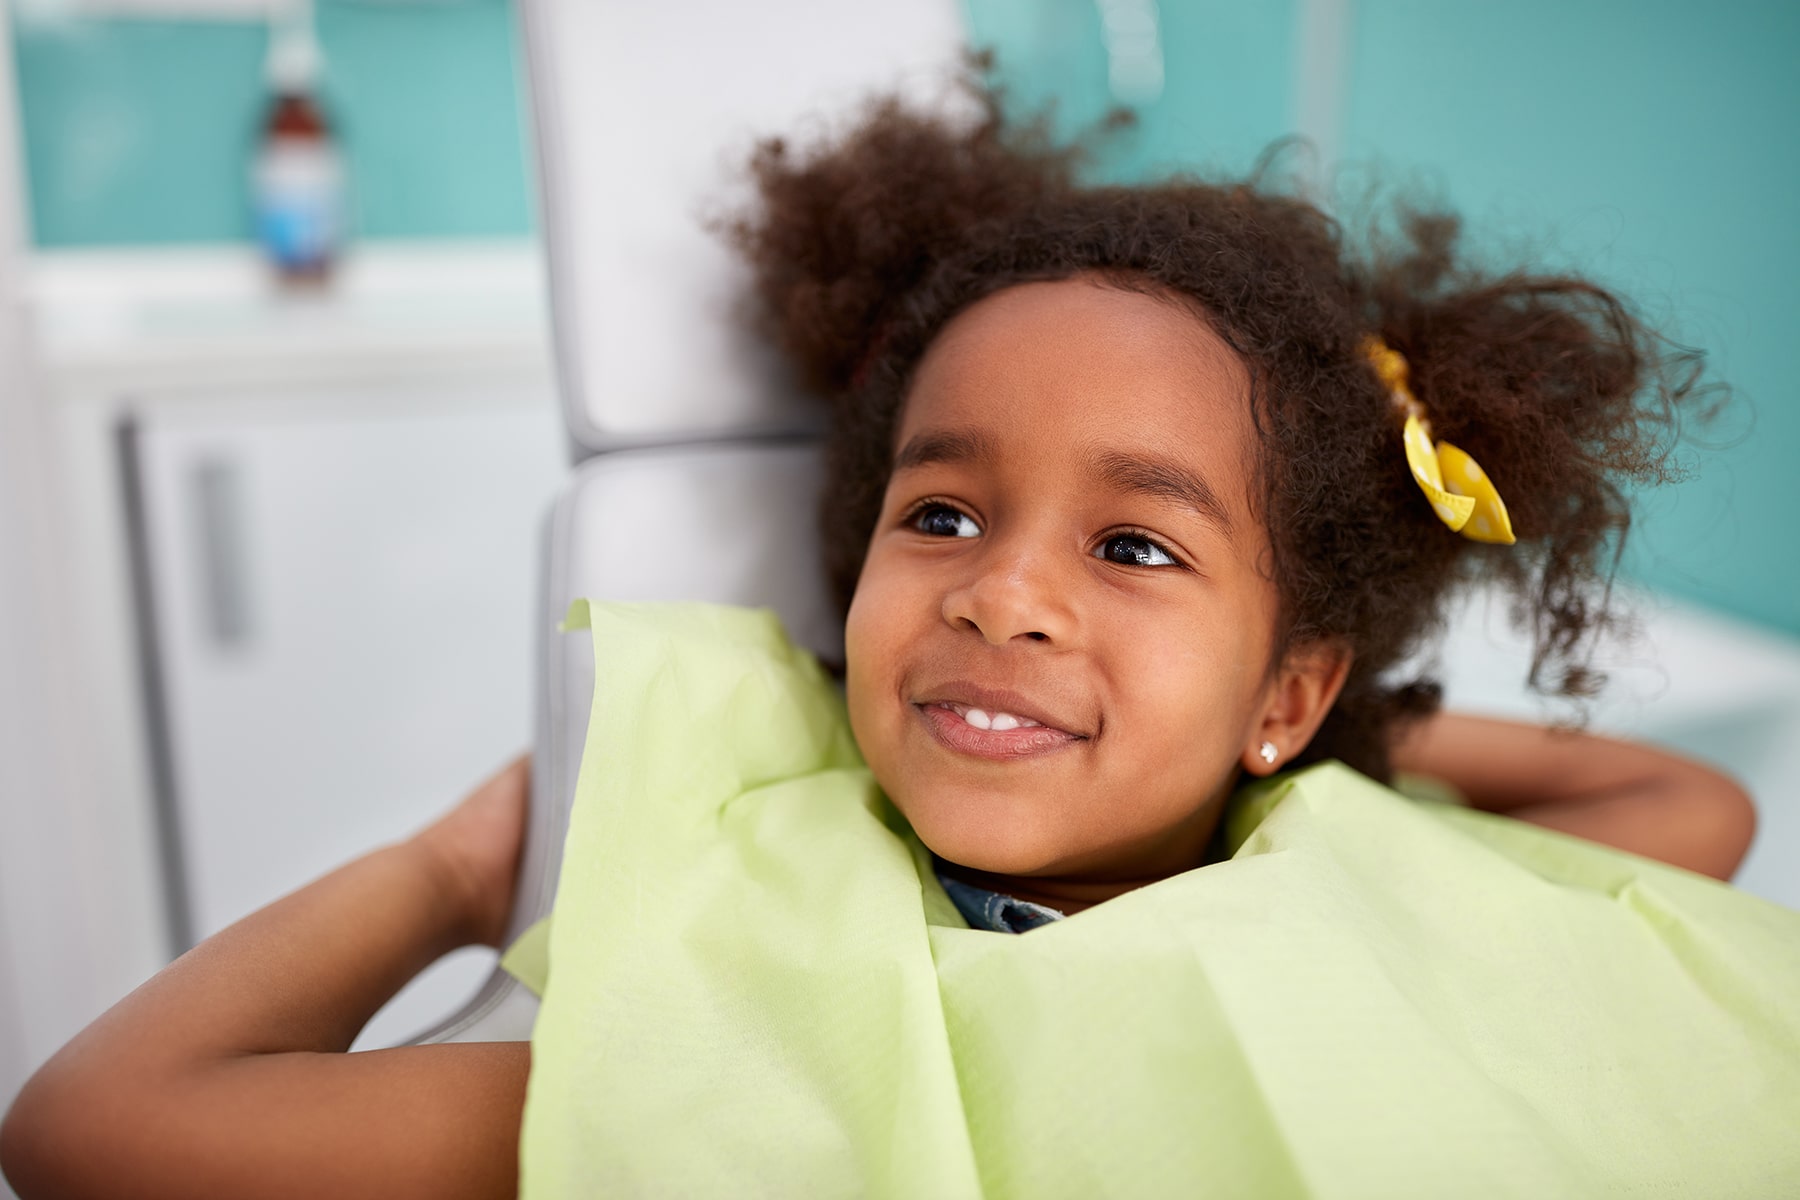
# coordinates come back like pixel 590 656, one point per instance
pixel 992 700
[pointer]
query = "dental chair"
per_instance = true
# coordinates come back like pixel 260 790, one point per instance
pixel 696 470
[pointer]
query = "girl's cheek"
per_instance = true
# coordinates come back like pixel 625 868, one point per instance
pixel 864 648
pixel 880 595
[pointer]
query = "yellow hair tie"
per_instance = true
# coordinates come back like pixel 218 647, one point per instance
pixel 1460 492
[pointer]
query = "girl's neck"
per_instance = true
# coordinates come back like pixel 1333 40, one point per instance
pixel 1067 895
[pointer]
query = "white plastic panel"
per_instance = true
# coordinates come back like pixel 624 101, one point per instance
pixel 645 115
pixel 731 523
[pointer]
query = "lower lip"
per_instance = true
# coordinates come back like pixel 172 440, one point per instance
pixel 959 735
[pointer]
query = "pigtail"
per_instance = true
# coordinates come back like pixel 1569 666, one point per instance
pixel 845 229
pixel 1567 400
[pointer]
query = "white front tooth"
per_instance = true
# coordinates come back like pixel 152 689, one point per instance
pixel 978 719
pixel 1005 721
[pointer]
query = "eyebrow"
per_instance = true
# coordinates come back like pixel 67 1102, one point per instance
pixel 1163 480
pixel 945 446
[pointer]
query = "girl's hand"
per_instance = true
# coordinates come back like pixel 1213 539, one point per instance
pixel 1622 794
pixel 478 844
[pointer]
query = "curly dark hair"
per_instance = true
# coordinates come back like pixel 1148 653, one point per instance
pixel 865 245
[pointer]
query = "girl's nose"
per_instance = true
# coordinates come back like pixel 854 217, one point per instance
pixel 1013 592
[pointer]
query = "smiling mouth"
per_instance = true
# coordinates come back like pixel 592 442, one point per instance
pixel 992 733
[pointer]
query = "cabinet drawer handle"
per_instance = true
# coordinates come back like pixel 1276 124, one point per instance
pixel 216 488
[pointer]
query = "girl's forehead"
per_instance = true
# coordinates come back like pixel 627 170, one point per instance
pixel 1083 333
pixel 1082 370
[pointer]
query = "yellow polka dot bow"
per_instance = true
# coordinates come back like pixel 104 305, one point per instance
pixel 1460 492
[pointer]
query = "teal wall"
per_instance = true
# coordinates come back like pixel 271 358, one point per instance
pixel 1227 89
pixel 1649 143
pixel 140 131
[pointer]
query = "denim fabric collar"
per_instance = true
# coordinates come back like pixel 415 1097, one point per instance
pixel 993 911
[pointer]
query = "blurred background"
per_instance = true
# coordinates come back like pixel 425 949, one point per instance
pixel 278 418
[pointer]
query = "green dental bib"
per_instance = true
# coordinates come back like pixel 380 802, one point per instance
pixel 756 986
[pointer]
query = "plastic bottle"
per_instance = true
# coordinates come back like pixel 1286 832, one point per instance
pixel 298 176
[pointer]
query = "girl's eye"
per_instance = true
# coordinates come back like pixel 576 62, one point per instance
pixel 1134 550
pixel 940 520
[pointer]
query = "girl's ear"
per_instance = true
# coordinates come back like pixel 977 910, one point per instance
pixel 1304 688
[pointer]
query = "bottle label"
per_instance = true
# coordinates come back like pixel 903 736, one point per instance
pixel 299 186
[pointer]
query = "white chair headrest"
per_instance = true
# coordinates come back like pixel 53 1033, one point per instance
pixel 645 114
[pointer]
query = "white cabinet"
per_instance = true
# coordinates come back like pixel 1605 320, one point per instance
pixel 339 595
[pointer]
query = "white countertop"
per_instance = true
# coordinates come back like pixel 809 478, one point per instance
pixel 151 312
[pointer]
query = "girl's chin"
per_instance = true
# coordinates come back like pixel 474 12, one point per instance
pixel 983 832
pixel 983 860
pixel 996 847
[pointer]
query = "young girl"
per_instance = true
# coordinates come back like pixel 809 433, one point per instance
pixel 1125 506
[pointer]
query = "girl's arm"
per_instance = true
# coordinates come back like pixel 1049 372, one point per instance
pixel 225 1074
pixel 1621 794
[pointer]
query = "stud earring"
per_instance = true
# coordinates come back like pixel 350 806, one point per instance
pixel 1266 752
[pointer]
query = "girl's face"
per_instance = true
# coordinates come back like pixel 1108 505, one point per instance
pixel 1059 648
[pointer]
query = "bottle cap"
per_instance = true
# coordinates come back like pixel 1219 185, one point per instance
pixel 294 61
